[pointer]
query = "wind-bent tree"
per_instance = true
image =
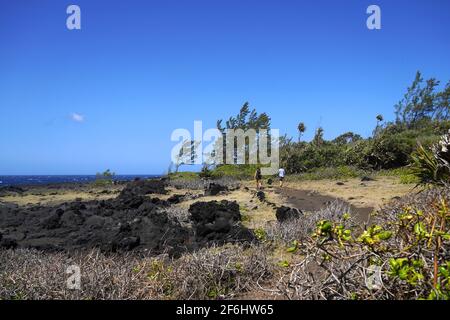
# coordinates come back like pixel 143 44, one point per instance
pixel 187 154
pixel 246 119
pixel 421 102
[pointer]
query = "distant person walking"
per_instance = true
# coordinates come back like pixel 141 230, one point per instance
pixel 258 178
pixel 281 174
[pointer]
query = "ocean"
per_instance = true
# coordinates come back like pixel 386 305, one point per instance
pixel 42 179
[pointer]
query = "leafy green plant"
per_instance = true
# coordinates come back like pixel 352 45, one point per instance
pixel 284 264
pixel 409 270
pixel 260 234
pixel 327 230
pixel 294 247
pixel 374 235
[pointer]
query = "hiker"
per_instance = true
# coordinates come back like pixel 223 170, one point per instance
pixel 258 178
pixel 281 174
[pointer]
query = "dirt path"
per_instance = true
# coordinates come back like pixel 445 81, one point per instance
pixel 311 201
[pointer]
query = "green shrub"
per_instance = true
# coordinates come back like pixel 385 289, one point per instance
pixel 105 178
pixel 184 175
pixel 432 166
pixel 340 172
pixel 241 171
pixel 405 174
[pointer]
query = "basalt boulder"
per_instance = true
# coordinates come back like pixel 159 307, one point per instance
pixel 284 213
pixel 111 225
pixel 213 189
pixel 143 187
pixel 261 195
pixel 218 222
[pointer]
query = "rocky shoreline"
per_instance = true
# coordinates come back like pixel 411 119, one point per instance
pixel 136 219
pixel 152 216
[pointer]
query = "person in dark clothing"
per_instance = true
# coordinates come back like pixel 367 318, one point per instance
pixel 258 178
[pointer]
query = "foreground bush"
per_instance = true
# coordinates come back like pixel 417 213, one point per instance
pixel 217 272
pixel 33 274
pixel 403 255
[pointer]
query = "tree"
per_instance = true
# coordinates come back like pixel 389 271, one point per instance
pixel 378 127
pixel 246 119
pixel 419 102
pixel 318 137
pixel 105 177
pixel 347 138
pixel 187 153
pixel 301 129
pixel 443 104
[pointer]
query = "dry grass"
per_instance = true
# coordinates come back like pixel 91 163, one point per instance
pixel 361 194
pixel 235 271
pixel 212 273
pixel 255 213
pixel 32 274
pixel 321 267
pixel 55 198
pixel 302 228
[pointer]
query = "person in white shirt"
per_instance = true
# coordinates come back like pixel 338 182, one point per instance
pixel 281 174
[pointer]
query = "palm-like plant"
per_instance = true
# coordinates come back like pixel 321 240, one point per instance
pixel 301 129
pixel 380 118
pixel 424 166
pixel 432 167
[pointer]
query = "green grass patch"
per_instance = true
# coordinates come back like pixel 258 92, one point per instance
pixel 186 175
pixel 405 175
pixel 341 172
pixel 238 171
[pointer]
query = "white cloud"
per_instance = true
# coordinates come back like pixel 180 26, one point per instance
pixel 77 117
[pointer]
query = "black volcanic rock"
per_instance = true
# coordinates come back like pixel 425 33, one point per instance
pixel 218 222
pixel 132 221
pixel 213 189
pixel 261 195
pixel 143 187
pixel 286 213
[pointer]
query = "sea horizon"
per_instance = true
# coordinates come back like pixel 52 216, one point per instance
pixel 15 180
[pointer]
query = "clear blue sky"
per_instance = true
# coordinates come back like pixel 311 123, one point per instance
pixel 139 69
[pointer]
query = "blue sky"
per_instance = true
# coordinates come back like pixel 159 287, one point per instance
pixel 137 70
